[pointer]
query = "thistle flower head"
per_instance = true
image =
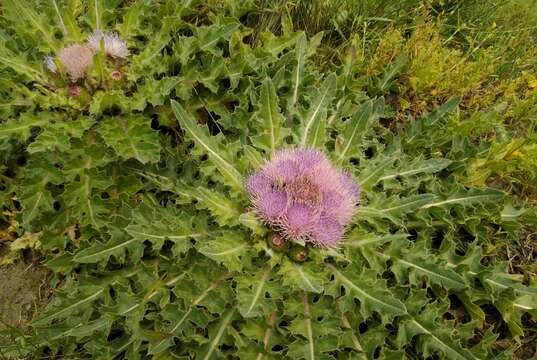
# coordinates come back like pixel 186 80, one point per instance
pixel 49 63
pixel 77 60
pixel 113 45
pixel 302 195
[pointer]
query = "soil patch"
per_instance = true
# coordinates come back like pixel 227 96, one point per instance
pixel 24 291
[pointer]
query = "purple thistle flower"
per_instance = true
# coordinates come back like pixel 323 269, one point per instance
pixel 77 60
pixel 303 196
pixel 113 45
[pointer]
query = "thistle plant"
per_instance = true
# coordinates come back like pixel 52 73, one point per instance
pixel 206 205
pixel 78 59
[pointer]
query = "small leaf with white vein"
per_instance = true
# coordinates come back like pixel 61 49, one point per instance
pixel 251 290
pixel 350 140
pixel 312 127
pixel 270 118
pixel 209 146
pixel 230 249
pixel 433 337
pixel 372 293
pixel 304 276
pixel 131 137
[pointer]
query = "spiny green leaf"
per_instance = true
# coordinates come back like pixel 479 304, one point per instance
pixel 309 350
pixel 208 350
pixel 252 221
pixel 298 71
pixel 81 330
pixel 373 171
pixel 208 36
pixel 351 138
pixel 20 11
pixel 498 281
pixel 73 30
pixel 131 137
pixel 132 19
pixel 21 66
pixel 58 135
pixel 224 210
pixel 201 138
pixel 312 132
pixel 84 203
pixel 229 249
pixel 435 273
pixel 101 252
pixel 274 45
pixel 433 337
pixel 445 108
pixel 394 209
pixel 470 198
pixel 441 342
pixel 302 276
pixel 21 129
pixel 391 72
pixel 271 120
pixel 68 307
pixel 418 167
pixel 183 316
pixel 355 240
pixel 35 196
pixel 166 224
pixel 373 296
pixel 251 293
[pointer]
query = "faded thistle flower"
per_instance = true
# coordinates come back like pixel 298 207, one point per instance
pixel 302 195
pixel 113 45
pixel 49 63
pixel 77 60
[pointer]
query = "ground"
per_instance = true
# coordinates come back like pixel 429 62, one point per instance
pixel 24 292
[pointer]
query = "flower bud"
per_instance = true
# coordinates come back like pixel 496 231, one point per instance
pixel 278 243
pixel 79 93
pixel 299 254
pixel 116 75
pixel 74 91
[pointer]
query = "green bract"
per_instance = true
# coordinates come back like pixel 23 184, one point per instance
pixel 137 197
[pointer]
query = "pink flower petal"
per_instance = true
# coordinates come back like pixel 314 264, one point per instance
pixel 350 186
pixel 298 221
pixel 287 170
pixel 258 184
pixel 328 231
pixel 272 204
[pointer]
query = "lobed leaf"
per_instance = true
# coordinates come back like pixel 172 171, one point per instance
pixel 373 296
pixel 131 137
pixel 200 137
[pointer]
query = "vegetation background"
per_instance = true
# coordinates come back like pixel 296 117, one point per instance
pixel 72 177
